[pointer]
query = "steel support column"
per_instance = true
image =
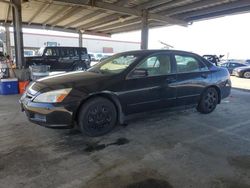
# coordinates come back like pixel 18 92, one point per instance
pixel 7 34
pixel 18 34
pixel 80 39
pixel 144 30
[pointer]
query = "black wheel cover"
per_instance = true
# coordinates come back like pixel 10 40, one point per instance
pixel 209 101
pixel 98 117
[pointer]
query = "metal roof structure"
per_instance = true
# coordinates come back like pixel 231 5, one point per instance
pixel 107 17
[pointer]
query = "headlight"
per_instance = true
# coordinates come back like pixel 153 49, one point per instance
pixel 53 96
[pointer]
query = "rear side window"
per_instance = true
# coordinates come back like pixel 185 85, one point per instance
pixel 234 65
pixel 69 52
pixel 185 63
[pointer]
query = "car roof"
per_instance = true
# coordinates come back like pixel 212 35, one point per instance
pixel 156 51
pixel 64 47
pixel 235 62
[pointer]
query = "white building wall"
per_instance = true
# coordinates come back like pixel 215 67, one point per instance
pixel 32 40
pixel 96 45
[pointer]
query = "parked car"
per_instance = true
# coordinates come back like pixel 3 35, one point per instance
pixel 96 56
pixel 61 58
pixel 231 65
pixel 105 56
pixel 247 61
pixel 108 93
pixel 242 72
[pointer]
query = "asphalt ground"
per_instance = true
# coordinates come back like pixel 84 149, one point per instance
pixel 161 150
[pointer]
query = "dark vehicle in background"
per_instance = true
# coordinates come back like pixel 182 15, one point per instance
pixel 96 56
pixel 61 58
pixel 247 61
pixel 242 72
pixel 231 65
pixel 124 84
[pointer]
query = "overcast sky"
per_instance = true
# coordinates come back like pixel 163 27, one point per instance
pixel 228 35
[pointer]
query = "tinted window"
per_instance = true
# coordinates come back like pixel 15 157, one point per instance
pixel 187 63
pixel 83 53
pixel 156 65
pixel 64 52
pixel 51 52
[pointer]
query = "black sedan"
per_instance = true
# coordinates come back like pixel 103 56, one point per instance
pixel 231 65
pixel 124 84
pixel 243 72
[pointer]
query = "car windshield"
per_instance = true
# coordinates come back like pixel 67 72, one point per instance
pixel 40 51
pixel 115 64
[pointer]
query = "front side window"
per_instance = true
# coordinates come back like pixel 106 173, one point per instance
pixel 51 52
pixel 187 63
pixel 156 65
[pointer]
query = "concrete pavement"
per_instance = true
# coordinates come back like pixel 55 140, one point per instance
pixel 163 150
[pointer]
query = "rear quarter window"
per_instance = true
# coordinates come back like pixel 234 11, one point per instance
pixel 186 63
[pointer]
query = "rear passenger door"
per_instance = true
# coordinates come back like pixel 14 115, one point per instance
pixel 51 57
pixel 192 78
pixel 68 57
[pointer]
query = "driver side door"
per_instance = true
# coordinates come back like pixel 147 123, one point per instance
pixel 152 90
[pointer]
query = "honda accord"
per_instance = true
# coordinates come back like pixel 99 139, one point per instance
pixel 127 83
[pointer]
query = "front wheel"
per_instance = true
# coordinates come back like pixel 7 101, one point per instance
pixel 246 74
pixel 209 100
pixel 79 67
pixel 97 117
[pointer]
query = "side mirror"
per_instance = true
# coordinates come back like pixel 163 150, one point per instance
pixel 139 73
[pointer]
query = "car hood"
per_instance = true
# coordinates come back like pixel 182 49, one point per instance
pixel 78 80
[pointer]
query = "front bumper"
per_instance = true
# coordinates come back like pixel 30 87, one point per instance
pixel 49 114
pixel 226 89
pixel 236 73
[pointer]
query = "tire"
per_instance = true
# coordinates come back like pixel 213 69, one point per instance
pixel 79 67
pixel 246 74
pixel 97 117
pixel 208 101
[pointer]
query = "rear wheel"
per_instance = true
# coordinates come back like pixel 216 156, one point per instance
pixel 246 74
pixel 97 117
pixel 209 100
